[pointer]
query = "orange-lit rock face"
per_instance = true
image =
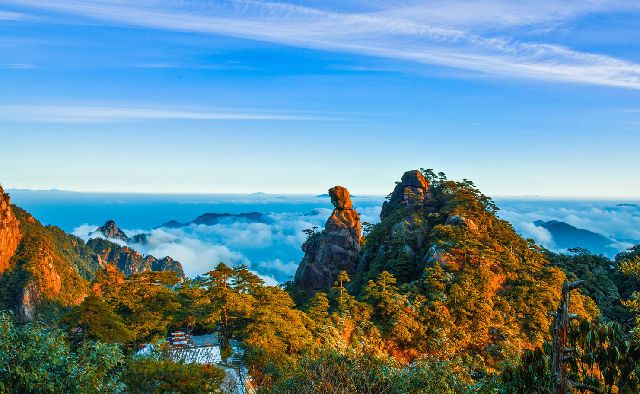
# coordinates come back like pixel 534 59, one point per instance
pixel 340 197
pixel 344 218
pixel 9 231
pixel 333 250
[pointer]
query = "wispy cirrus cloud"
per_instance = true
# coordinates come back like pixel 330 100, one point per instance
pixel 11 15
pixel 450 34
pixel 101 114
pixel 502 14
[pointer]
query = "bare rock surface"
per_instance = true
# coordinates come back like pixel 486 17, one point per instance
pixel 334 249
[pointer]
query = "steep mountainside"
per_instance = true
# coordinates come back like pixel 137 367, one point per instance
pixel 48 266
pixel 462 276
pixel 42 267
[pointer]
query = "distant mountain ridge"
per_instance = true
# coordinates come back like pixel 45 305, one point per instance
pixel 566 236
pixel 209 219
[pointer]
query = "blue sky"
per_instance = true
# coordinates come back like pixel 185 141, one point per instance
pixel 524 98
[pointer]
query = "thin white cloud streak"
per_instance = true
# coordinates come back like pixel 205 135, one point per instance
pixel 389 33
pixel 101 114
pixel 11 16
pixel 500 14
pixel 19 66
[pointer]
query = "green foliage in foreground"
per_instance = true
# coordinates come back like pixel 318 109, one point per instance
pixel 151 375
pixel 334 372
pixel 35 359
pixel 606 359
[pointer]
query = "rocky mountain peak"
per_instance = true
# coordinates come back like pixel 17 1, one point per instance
pixel 413 187
pixel 110 230
pixel 129 261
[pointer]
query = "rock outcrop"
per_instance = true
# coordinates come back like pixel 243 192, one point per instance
pixel 412 188
pixel 334 249
pixel 110 230
pixel 401 239
pixel 9 231
pixel 129 261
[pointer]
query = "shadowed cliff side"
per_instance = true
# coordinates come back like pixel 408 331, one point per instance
pixel 334 249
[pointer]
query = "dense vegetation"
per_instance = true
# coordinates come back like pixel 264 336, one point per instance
pixel 464 309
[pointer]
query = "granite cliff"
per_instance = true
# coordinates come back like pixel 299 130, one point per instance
pixel 334 249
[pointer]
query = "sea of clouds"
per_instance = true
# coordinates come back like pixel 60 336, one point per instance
pixel 617 220
pixel 272 249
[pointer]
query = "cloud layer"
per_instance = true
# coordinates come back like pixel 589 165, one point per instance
pixel 271 249
pixel 616 220
pixel 488 37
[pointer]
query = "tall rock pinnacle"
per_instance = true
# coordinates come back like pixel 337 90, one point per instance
pixel 333 250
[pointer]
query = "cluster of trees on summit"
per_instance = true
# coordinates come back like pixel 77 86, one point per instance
pixel 474 317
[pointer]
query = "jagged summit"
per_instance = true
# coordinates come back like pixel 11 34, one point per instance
pixel 413 187
pixel 334 249
pixel 110 230
pixel 130 261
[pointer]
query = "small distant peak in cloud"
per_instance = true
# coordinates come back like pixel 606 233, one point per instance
pixel 541 235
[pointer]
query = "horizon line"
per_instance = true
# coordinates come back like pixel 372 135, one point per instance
pixel 319 195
